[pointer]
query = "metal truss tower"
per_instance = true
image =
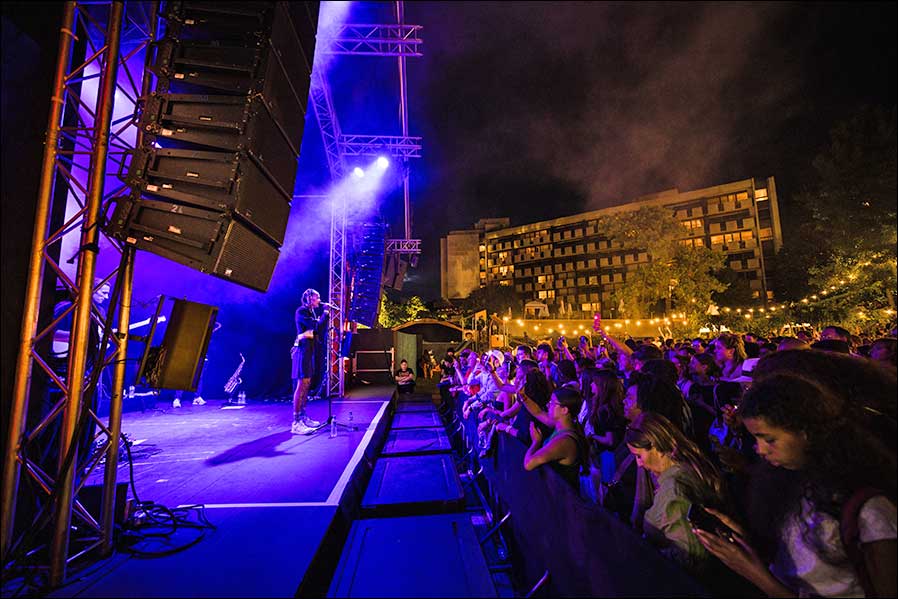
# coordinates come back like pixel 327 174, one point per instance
pixel 394 40
pixel 83 141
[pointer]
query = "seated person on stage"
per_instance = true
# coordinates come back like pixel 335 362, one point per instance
pixel 405 378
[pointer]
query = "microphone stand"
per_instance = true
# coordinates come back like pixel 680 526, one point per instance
pixel 331 419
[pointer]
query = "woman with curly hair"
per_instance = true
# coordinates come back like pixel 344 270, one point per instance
pixel 836 529
pixel 858 380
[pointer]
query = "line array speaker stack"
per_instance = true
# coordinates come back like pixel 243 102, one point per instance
pixel 213 181
pixel 367 265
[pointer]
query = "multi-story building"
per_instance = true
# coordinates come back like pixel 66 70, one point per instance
pixel 463 258
pixel 568 262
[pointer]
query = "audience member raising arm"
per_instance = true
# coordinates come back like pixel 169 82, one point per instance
pixel 566 445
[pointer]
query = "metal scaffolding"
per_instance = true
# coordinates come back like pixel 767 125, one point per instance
pixel 386 40
pixel 82 140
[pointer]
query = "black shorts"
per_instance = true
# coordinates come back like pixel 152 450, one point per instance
pixel 303 363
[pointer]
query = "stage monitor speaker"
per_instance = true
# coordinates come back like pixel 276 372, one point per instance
pixel 206 240
pixel 179 362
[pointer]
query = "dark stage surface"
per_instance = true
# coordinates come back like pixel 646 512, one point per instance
pixel 270 494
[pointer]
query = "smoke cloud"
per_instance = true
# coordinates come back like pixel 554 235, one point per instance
pixel 615 100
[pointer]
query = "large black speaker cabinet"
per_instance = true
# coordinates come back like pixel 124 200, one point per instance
pixel 229 183
pixel 394 271
pixel 228 123
pixel 222 134
pixel 271 65
pixel 179 362
pixel 206 240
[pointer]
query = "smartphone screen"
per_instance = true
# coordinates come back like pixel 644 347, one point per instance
pixel 700 518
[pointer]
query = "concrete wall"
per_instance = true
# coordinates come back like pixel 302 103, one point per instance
pixel 460 255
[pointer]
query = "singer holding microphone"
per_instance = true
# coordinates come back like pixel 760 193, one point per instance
pixel 311 328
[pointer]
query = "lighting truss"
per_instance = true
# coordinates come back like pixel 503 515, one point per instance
pixel 374 40
pixel 378 145
pixel 323 105
pixel 379 40
pixel 84 144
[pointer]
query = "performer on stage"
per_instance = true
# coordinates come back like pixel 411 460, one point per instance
pixel 311 328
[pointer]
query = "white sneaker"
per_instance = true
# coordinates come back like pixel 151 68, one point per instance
pixel 298 428
pixel 199 401
pixel 176 403
pixel 310 423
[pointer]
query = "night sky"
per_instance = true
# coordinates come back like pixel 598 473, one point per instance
pixel 538 110
pixel 535 110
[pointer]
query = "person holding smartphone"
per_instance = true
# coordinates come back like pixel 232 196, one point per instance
pixel 564 352
pixel 682 478
pixel 835 526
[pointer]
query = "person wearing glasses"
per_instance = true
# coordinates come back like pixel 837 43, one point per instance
pixel 566 446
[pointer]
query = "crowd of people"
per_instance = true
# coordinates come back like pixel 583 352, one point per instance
pixel 766 462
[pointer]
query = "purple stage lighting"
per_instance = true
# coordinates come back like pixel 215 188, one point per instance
pixel 358 173
pixel 383 162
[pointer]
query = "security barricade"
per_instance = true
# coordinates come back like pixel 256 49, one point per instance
pixel 586 549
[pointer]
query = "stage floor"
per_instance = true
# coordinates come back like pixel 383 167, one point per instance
pixel 270 494
pixel 242 454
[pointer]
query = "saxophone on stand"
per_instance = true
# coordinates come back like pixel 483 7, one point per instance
pixel 235 382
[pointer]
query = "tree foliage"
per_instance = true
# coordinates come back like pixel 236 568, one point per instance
pixel 677 275
pixel 394 313
pixel 738 291
pixel 846 245
pixel 495 299
pixel 854 197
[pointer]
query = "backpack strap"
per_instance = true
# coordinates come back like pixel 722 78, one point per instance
pixel 851 532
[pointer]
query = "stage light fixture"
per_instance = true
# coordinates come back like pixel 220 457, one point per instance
pixel 383 162
pixel 358 173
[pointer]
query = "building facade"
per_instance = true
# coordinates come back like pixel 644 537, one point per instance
pixel 569 265
pixel 463 258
